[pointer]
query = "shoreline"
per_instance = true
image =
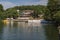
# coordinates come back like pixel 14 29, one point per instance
pixel 42 21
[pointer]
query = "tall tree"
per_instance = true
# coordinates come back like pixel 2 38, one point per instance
pixel 1 12
pixel 1 7
pixel 52 8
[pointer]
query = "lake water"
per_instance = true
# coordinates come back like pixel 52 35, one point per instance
pixel 28 31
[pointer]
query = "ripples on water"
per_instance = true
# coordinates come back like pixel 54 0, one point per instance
pixel 28 31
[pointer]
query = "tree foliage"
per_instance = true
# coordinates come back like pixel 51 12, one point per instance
pixel 53 10
pixel 1 12
pixel 1 8
pixel 11 13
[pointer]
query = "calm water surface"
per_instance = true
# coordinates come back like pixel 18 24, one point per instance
pixel 28 31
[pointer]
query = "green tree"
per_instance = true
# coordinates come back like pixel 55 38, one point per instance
pixel 57 17
pixel 52 8
pixel 53 11
pixel 1 12
pixel 1 8
pixel 11 13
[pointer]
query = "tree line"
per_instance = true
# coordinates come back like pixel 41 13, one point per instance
pixel 12 12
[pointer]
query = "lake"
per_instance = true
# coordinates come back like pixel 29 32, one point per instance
pixel 28 31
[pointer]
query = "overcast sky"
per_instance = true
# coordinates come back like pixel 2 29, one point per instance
pixel 12 3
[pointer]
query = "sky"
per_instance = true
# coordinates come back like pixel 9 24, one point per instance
pixel 11 3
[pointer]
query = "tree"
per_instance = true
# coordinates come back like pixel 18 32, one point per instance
pixel 1 8
pixel 11 13
pixel 1 12
pixel 57 17
pixel 52 9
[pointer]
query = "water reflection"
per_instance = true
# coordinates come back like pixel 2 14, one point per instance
pixel 51 32
pixel 1 30
pixel 27 31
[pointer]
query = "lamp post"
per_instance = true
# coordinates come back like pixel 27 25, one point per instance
pixel 18 12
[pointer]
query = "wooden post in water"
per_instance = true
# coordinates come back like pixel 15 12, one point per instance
pixel 59 31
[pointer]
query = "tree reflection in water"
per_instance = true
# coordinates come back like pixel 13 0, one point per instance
pixel 51 32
